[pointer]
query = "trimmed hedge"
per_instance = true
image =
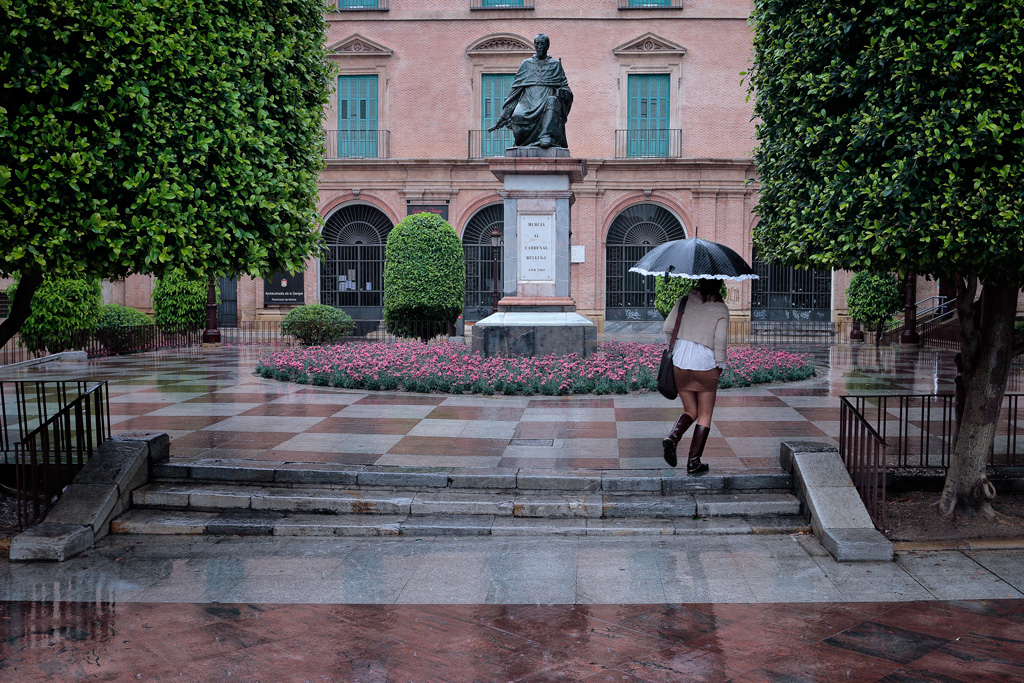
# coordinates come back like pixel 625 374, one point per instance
pixel 62 310
pixel 872 298
pixel 666 293
pixel 179 304
pixel 119 328
pixel 424 277
pixel 316 324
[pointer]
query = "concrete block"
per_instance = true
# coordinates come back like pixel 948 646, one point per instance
pixel 339 525
pixel 161 522
pixel 716 526
pixel 837 507
pixel 649 506
pixel 447 525
pixel 250 523
pixel 227 497
pixel 718 505
pixel 317 474
pixel 50 541
pixel 558 506
pixel 857 545
pixel 218 470
pixel 630 480
pixel 678 481
pixel 163 495
pixel 532 526
pixel 822 469
pixel 333 502
pixel 747 482
pixel 73 356
pixel 483 478
pixel 91 505
pixel 171 470
pixel 159 444
pixel 115 462
pixel 457 503
pixel 404 476
pixel 559 480
pixel 788 448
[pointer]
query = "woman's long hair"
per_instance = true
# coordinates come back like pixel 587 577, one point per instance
pixel 710 290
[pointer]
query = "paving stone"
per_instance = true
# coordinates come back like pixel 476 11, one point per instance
pixel 743 482
pixel 163 495
pixel 447 525
pixel 220 472
pixel 336 502
pixel 534 526
pixel 316 473
pixel 459 503
pixel 171 470
pixel 648 506
pixel 718 526
pixel 339 525
pixel 222 497
pixel 558 506
pixel 161 522
pixel 404 476
pixel 249 523
pixel 857 545
pixel 678 481
pixel 483 478
pixel 747 504
pixel 630 480
pixel 630 527
pixel 562 480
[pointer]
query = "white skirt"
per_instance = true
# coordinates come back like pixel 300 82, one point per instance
pixel 688 355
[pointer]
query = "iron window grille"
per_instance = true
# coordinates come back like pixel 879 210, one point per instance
pixel 480 255
pixel 633 233
pixel 352 266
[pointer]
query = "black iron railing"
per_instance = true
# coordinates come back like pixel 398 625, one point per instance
pixel 49 431
pixel 484 144
pixel 914 432
pixel 500 4
pixel 649 143
pixel 787 332
pixel 357 144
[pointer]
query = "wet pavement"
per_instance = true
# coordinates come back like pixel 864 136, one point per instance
pixel 743 608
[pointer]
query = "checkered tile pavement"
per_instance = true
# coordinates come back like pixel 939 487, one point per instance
pixel 213 406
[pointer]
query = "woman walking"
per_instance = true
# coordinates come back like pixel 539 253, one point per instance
pixel 699 358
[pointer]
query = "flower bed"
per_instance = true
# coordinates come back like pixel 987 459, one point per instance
pixel 452 368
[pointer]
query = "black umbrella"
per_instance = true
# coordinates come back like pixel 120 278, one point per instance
pixel 695 258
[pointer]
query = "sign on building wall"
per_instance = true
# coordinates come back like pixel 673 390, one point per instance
pixel 283 289
pixel 439 209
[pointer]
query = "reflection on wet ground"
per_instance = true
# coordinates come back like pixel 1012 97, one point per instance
pixel 937 641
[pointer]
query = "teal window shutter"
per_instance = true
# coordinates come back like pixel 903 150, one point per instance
pixel 502 3
pixel 650 3
pixel 357 4
pixel 494 91
pixel 357 117
pixel 648 115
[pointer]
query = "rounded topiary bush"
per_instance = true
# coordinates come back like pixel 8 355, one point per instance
pixel 667 292
pixel 179 303
pixel 122 329
pixel 316 324
pixel 424 277
pixel 63 311
pixel 872 298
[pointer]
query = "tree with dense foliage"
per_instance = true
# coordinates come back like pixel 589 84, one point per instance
pixel 140 136
pixel 179 302
pixel 424 277
pixel 668 290
pixel 891 139
pixel 872 299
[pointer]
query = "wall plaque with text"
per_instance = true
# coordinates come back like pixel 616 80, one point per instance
pixel 438 209
pixel 283 289
pixel 537 247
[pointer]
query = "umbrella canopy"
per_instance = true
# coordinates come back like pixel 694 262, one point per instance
pixel 695 258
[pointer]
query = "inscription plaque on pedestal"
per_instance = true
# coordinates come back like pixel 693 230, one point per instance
pixel 537 247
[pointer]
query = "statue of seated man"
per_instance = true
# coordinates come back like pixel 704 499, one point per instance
pixel 539 102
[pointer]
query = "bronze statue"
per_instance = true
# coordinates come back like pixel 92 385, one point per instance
pixel 540 100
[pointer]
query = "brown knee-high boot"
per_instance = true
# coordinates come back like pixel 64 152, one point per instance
pixel 669 442
pixel 693 463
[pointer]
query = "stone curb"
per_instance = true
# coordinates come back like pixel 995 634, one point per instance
pixel 66 356
pixel 100 492
pixel 961 545
pixel 837 514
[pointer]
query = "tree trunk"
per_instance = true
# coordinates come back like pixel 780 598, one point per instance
pixel 20 305
pixel 983 363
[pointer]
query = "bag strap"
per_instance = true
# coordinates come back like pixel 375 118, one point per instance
pixel 679 319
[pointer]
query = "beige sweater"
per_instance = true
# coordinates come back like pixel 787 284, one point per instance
pixel 704 322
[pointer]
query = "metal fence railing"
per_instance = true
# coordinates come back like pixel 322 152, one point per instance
pixel 788 332
pixel 97 343
pixel 49 431
pixel 914 432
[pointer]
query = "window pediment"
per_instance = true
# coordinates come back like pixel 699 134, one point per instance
pixel 649 44
pixel 358 46
pixel 501 44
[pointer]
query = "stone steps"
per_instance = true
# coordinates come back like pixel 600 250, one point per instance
pixel 267 523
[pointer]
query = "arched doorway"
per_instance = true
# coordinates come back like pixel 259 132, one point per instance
pixel 480 258
pixel 633 233
pixel 784 293
pixel 352 267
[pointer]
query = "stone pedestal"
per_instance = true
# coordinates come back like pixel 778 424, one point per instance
pixel 537 315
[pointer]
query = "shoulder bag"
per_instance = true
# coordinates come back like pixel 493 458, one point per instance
pixel 666 371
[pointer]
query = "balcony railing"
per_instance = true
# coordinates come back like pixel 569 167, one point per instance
pixel 484 144
pixel 355 5
pixel 650 4
pixel 357 144
pixel 655 143
pixel 500 4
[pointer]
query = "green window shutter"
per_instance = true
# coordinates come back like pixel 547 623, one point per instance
pixel 650 3
pixel 357 4
pixel 648 117
pixel 357 116
pixel 494 91
pixel 502 3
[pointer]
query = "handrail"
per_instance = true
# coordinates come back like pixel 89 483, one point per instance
pixel 863 451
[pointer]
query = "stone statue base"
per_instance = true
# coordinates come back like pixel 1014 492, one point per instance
pixel 537 315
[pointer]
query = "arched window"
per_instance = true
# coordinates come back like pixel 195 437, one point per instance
pixel 633 233
pixel 480 261
pixel 785 293
pixel 352 267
